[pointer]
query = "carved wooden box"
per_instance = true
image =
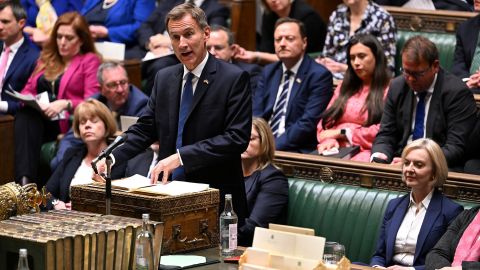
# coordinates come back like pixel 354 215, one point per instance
pixel 191 220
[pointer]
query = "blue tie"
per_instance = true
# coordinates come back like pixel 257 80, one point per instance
pixel 185 105
pixel 419 116
pixel 279 109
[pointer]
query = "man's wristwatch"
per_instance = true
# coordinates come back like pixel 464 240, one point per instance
pixel 343 131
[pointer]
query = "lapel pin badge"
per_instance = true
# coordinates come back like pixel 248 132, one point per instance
pixel 299 80
pixel 205 81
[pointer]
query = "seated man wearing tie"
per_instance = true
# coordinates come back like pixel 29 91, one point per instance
pixel 293 92
pixel 425 102
pixel 18 55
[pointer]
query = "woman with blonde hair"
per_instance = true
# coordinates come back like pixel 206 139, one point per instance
pixel 265 185
pixel 93 123
pixel 65 75
pixel 414 223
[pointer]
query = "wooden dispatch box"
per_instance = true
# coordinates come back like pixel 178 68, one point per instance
pixel 190 220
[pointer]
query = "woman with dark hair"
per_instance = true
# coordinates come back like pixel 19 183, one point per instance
pixel 265 185
pixel 65 75
pixel 413 223
pixel 355 110
pixel 93 123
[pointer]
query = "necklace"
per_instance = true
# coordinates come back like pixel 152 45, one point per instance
pixel 108 3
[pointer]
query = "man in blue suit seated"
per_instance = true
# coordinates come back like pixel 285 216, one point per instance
pixel 292 93
pixel 18 55
pixel 119 96
pixel 221 45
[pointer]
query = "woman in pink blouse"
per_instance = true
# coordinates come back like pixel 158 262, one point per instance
pixel 354 112
pixel 65 75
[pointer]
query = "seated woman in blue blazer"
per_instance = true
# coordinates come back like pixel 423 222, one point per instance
pixel 265 185
pixel 414 223
pixel 93 122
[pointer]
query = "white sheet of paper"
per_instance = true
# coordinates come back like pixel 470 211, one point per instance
pixel 111 50
pixel 132 183
pixel 182 260
pixel 175 188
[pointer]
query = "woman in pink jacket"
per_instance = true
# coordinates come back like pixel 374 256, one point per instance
pixel 65 75
pixel 355 110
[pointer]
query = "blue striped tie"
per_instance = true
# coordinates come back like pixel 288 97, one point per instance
pixel 279 109
pixel 185 105
pixel 419 116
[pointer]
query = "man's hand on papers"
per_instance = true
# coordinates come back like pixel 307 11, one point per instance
pixel 165 167
pixel 159 44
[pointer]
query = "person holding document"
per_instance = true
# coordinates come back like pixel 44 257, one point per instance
pixel 65 75
pixel 355 110
pixel 199 111
pixel 93 123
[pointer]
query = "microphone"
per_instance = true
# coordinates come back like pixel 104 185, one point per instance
pixel 107 151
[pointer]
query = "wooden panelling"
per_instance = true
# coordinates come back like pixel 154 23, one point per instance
pixel 443 21
pixel 134 71
pixel 7 149
pixel 370 175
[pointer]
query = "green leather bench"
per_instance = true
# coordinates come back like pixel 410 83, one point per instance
pixel 445 43
pixel 350 215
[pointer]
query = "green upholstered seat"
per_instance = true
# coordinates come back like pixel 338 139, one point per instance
pixel 346 214
pixel 445 43
pixel 350 215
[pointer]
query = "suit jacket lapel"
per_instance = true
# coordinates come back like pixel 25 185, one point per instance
pixel 297 81
pixel 17 59
pixel 397 219
pixel 273 88
pixel 435 104
pixel 67 76
pixel 175 88
pixel 204 82
pixel 408 112
pixel 431 216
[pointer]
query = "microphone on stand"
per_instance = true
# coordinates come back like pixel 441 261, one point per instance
pixel 108 162
pixel 107 151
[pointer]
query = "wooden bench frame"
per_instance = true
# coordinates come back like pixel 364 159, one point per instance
pixel 458 186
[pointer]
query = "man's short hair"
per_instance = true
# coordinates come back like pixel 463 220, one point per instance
pixel 106 66
pixel 182 10
pixel 17 9
pixel 419 48
pixel 301 25
pixel 216 27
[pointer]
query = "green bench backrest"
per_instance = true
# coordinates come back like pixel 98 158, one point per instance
pixel 445 43
pixel 346 214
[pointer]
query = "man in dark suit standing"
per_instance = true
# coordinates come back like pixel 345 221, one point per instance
pixel 221 45
pixel 425 102
pixel 466 62
pixel 199 111
pixel 18 55
pixel 153 36
pixel 293 92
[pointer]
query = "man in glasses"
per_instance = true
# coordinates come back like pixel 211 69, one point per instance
pixel 425 102
pixel 120 97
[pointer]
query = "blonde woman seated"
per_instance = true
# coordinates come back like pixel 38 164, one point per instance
pixel 355 110
pixel 265 185
pixel 94 124
pixel 414 223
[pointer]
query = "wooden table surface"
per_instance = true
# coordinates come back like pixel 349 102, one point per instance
pixel 213 253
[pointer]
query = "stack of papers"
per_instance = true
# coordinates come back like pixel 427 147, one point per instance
pixel 141 184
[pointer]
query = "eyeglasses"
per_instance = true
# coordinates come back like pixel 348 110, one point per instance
pixel 415 74
pixel 114 85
